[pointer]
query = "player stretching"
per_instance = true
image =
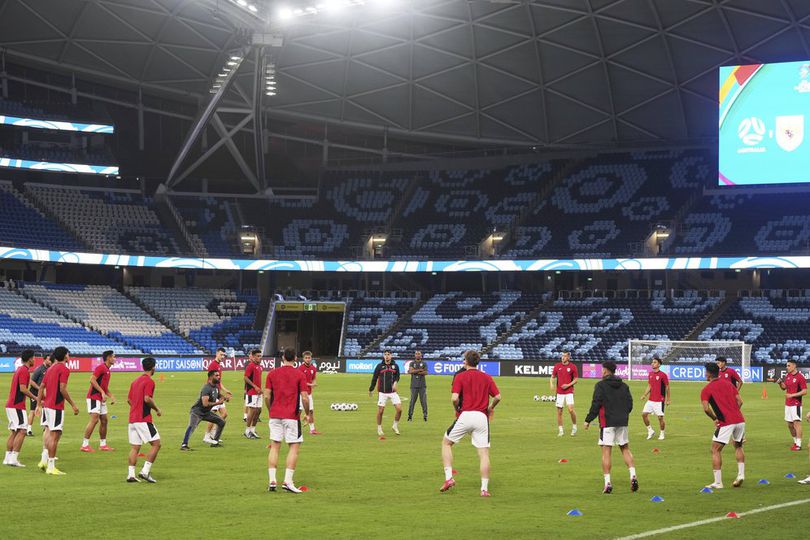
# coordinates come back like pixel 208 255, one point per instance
pixel 722 402
pixel 658 393
pixel 141 400
pixel 202 410
pixel 15 409
pixel 471 392
pixel 730 374
pixel 310 372
pixel 253 392
pixel 566 375
pixel 612 403
pixel 52 400
pixel 284 388
pixel 97 398
pixel 385 378
pixel 216 365
pixel 795 386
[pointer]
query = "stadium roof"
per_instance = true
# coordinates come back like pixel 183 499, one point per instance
pixel 541 72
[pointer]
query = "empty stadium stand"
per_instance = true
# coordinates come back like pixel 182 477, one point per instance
pixel 23 224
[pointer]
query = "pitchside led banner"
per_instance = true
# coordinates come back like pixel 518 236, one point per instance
pixel 764 109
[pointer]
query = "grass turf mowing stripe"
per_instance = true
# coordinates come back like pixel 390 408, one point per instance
pixel 712 520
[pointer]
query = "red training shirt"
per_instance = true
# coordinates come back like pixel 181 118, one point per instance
pixel 102 376
pixel 16 399
pixel 658 386
pixel 253 372
pixel 141 387
pixel 310 372
pixel 215 366
pixel 722 398
pixel 793 384
pixel 731 375
pixel 58 373
pixel 474 389
pixel 565 373
pixel 286 385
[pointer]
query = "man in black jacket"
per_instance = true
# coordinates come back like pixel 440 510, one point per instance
pixel 612 403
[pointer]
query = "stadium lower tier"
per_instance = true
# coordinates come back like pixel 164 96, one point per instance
pixel 508 325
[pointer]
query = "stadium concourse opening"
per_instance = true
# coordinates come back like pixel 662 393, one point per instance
pixel 229 220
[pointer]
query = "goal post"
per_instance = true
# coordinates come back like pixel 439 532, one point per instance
pixel 640 352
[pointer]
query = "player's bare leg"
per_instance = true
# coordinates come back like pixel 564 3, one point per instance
pixel 483 457
pixel 46 436
pixel 102 433
pixel 559 422
pixel 792 429
pixel 606 466
pixel 88 432
pixel 662 424
pixel 132 461
pixel 739 453
pixel 292 461
pixel 397 416
pixel 573 420
pixel 272 463
pixel 797 428
pixel 145 473
pixel 631 466
pixel 13 446
pixel 380 411
pixel 645 417
pixel 447 462
pixel 717 465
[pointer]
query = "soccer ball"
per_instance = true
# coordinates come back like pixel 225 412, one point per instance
pixel 344 406
pixel 355 406
pixel 537 398
pixel 333 406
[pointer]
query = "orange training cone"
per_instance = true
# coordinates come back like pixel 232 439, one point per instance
pixel 162 377
pixel 764 392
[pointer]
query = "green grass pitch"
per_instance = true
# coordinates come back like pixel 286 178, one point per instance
pixel 364 487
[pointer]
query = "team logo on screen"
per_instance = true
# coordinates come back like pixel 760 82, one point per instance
pixel 804 85
pixel 751 131
pixel 789 132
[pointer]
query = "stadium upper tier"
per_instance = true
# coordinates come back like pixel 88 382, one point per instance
pixel 604 206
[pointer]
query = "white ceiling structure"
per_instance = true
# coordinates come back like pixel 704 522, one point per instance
pixel 539 72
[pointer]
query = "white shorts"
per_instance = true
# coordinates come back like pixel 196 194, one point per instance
pixel 383 399
pixel 614 436
pixel 793 413
pixel 96 406
pixel 142 433
pixel 286 430
pixel 732 432
pixel 473 422
pixel 220 407
pixel 17 419
pixel 254 402
pixel 301 403
pixel 246 400
pixel 654 407
pixel 54 418
pixel 564 399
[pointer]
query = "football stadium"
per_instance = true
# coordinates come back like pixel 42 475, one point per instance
pixel 405 268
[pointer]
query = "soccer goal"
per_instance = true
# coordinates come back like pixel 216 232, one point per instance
pixel 640 352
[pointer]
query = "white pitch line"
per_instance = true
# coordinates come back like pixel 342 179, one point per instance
pixel 712 520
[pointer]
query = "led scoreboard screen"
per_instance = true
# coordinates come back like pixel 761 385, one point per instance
pixel 764 110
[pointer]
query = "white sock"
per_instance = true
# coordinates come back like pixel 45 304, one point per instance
pixel 561 429
pixel 740 470
pixel 44 455
pixel 247 431
pixel 718 477
pixel 51 464
pixel 379 429
pixel 312 427
pixel 147 466
pixel 288 476
pixel 131 471
pixel 8 454
pixel 632 472
pixel 396 424
pixel 448 473
pixel 650 429
pixel 271 472
pixel 103 442
pixel 574 427
pixel 484 484
pixel 253 429
pixel 14 457
pixel 607 479
pixel 798 441
pixel 662 432
pixel 85 442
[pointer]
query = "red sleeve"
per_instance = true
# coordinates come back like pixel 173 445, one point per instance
pixel 574 372
pixel 802 383
pixel 704 394
pixel 736 375
pixel 493 388
pixel 267 380
pixel 150 388
pixel 25 377
pixel 63 376
pixel 554 371
pixel 456 385
pixel 98 371
pixel 666 379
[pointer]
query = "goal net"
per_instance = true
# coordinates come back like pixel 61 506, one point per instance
pixel 640 353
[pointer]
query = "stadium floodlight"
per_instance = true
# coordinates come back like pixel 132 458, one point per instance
pixel 247 7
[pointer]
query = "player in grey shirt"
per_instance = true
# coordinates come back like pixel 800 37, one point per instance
pixel 418 371
pixel 36 380
pixel 201 410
